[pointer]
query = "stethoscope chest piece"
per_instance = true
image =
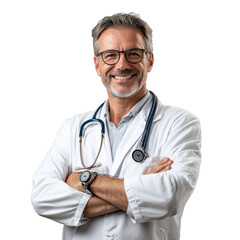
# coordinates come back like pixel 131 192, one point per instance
pixel 139 155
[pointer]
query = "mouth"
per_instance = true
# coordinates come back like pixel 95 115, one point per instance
pixel 123 77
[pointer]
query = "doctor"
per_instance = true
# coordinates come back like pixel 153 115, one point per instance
pixel 119 198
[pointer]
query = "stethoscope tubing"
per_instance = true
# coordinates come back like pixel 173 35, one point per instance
pixel 97 120
pixel 143 142
pixel 93 119
pixel 148 125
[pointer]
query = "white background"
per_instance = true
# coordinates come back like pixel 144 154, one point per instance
pixel 47 75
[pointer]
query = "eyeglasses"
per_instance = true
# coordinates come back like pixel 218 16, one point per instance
pixel 111 57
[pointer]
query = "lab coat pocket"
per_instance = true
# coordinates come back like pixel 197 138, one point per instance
pixel 136 168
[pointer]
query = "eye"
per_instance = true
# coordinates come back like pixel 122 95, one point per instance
pixel 110 55
pixel 134 54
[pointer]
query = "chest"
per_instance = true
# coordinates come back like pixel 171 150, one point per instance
pixel 122 165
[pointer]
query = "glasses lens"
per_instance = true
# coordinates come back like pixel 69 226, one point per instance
pixel 110 57
pixel 134 55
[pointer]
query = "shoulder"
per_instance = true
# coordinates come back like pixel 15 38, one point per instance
pixel 177 117
pixel 178 113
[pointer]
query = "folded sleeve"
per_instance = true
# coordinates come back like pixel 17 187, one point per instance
pixel 51 196
pixel 160 195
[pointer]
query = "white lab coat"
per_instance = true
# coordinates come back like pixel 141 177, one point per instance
pixel 156 201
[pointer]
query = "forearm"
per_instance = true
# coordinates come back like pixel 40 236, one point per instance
pixel 110 190
pixel 97 206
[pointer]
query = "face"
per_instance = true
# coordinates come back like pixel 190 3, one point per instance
pixel 123 79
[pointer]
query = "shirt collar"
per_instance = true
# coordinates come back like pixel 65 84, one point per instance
pixel 135 109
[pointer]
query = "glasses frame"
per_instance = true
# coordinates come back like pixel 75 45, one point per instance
pixel 119 55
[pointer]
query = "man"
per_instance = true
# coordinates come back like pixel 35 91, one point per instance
pixel 121 198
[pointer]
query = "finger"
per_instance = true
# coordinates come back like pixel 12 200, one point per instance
pixel 164 160
pixel 159 167
pixel 166 165
pixel 167 168
pixel 162 164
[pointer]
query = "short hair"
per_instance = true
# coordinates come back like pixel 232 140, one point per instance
pixel 130 20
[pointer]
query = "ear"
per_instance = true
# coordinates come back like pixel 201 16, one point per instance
pixel 150 62
pixel 97 66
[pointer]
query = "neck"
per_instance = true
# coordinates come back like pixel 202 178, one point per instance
pixel 119 107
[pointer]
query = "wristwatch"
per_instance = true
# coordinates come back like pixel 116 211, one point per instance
pixel 86 179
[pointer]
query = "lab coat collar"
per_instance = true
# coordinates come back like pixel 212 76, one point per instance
pixel 133 112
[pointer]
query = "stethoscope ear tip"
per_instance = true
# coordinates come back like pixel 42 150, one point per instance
pixel 98 165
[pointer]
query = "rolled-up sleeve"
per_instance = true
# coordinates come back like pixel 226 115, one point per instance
pixel 164 194
pixel 51 196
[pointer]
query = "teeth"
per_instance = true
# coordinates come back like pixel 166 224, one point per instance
pixel 121 77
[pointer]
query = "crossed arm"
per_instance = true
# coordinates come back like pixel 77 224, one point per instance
pixel 109 193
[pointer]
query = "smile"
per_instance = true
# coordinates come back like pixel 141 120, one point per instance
pixel 123 77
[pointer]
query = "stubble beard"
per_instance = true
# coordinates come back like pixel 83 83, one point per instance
pixel 124 94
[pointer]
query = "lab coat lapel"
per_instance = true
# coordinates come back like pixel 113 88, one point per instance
pixel 133 134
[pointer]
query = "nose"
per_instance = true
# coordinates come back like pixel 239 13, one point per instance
pixel 122 64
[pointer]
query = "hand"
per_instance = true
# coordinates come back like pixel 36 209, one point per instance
pixel 163 165
pixel 74 181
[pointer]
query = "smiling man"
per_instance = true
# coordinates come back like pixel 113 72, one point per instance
pixel 123 67
pixel 136 184
pixel 123 76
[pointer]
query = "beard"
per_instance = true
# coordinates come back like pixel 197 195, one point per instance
pixel 129 90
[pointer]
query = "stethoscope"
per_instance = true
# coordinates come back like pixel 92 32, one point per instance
pixel 138 155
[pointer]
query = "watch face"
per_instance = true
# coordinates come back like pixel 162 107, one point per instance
pixel 85 176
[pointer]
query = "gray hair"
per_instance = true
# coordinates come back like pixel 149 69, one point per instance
pixel 131 20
